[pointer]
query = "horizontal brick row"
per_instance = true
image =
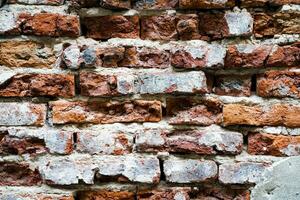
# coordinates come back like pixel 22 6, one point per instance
pixel 190 55
pixel 204 26
pixel 68 170
pixel 159 5
pixel 179 111
pixel 161 192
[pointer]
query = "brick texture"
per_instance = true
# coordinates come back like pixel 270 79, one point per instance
pixel 148 99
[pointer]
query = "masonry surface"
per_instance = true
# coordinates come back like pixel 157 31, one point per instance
pixel 149 99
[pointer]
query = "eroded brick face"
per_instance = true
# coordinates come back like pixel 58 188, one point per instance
pixel 149 99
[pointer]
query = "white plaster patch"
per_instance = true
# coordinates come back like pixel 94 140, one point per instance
pixel 239 23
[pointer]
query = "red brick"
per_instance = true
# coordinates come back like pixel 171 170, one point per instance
pixel 247 56
pixel 275 145
pixel 161 27
pixel 105 27
pixel 18 174
pixel 155 4
pixel 22 85
pixel 221 192
pixel 272 23
pixel 106 112
pixel 261 115
pixel 194 112
pixel 279 84
pixel 15 53
pixel 115 4
pixel 105 195
pixel 205 4
pixel 233 85
pixel 285 56
pixel 188 27
pixel 164 193
pixel 49 24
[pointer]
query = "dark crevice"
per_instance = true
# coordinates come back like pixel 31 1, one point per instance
pixel 77 84
pixel 253 83
pixel 162 174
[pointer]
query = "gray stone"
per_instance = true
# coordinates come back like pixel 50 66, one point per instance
pixel 281 181
pixel 160 83
pixel 189 171
pixel 241 173
pixel 239 23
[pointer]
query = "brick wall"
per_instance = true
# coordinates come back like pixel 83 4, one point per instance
pixel 138 99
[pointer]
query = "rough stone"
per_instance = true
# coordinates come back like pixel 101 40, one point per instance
pixel 209 141
pixel 26 54
pixel 279 84
pixel 115 4
pixel 280 181
pixel 105 27
pixel 241 173
pixel 205 4
pixel 275 145
pixel 94 142
pixel 162 27
pixel 106 112
pixel 17 114
pixel 37 2
pixel 285 56
pixel 180 193
pixel 247 56
pixel 50 24
pixel 92 84
pixel 18 174
pixel 193 112
pixel 189 171
pixel 221 192
pixel 198 55
pixel 173 83
pixel 260 115
pixel 105 194
pixel 233 85
pixel 155 4
pixel 50 85
pixel 188 27
pixel 145 57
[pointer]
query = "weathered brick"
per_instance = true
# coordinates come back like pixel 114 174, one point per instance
pixel 98 142
pixel 247 56
pixel 268 24
pixel 30 195
pixel 84 3
pixel 233 85
pixel 17 114
pixel 189 171
pixel 241 173
pixel 223 25
pixel 145 57
pixel 285 56
pixel 279 84
pixel 172 83
pixel 71 170
pixel 17 174
pixel 35 141
pixel 261 3
pixel 106 112
pixel 218 192
pixel 162 27
pixel 275 145
pixel 92 84
pixel 105 27
pixel 50 24
pixel 211 140
pixel 164 193
pixel 52 85
pixel 188 27
pixel 193 112
pixel 38 2
pixel 259 115
pixel 155 4
pixel 105 194
pixel 115 4
pixel 26 54
pixel 205 4
pixel 198 55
